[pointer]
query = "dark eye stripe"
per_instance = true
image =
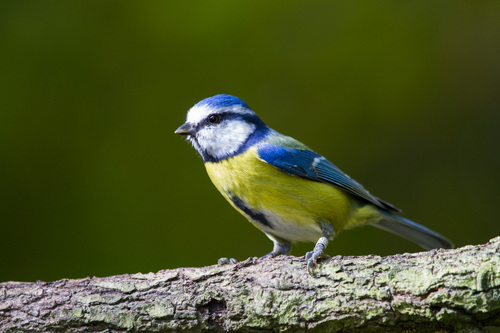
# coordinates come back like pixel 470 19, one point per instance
pixel 251 118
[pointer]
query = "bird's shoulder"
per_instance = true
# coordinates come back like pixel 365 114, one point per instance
pixel 288 155
pixel 282 141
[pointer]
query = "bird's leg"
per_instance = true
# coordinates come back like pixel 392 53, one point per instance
pixel 317 253
pixel 281 246
pixel 320 247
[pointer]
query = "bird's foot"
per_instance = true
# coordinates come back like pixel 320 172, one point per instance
pixel 317 253
pixel 271 254
pixel 280 247
pixel 226 261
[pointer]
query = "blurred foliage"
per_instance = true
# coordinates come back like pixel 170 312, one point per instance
pixel 403 96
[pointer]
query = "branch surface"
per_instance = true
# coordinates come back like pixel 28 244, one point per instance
pixel 439 290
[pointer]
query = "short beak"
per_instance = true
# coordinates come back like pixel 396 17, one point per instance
pixel 186 129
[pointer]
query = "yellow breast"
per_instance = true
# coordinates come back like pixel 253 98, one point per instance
pixel 293 204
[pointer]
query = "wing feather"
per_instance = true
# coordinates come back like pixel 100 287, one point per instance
pixel 310 165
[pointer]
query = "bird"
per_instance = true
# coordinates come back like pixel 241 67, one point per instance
pixel 284 188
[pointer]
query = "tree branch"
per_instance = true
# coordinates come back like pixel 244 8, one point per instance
pixel 439 290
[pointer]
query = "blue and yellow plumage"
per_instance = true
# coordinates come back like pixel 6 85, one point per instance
pixel 281 186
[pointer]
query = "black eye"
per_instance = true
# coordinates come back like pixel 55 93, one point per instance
pixel 214 118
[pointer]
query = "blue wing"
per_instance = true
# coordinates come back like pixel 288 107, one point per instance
pixel 308 164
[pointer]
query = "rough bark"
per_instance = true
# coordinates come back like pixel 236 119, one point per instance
pixel 439 290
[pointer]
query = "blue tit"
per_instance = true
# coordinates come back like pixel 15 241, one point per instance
pixel 284 188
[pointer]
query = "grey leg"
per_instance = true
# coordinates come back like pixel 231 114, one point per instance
pixel 318 252
pixel 319 249
pixel 281 246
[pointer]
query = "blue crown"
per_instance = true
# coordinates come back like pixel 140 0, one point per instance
pixel 221 101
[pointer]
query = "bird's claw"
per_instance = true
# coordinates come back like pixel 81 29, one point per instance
pixel 270 255
pixel 226 261
pixel 312 260
pixel 318 253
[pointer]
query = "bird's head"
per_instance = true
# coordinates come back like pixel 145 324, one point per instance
pixel 222 126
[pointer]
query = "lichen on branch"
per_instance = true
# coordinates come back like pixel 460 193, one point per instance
pixel 439 290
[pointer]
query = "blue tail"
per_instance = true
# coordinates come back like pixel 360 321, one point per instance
pixel 412 231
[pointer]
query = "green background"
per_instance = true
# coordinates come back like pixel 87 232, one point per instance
pixel 402 95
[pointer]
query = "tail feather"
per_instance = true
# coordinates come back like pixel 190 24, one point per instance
pixel 425 237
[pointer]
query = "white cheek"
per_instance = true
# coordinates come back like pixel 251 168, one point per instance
pixel 224 139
